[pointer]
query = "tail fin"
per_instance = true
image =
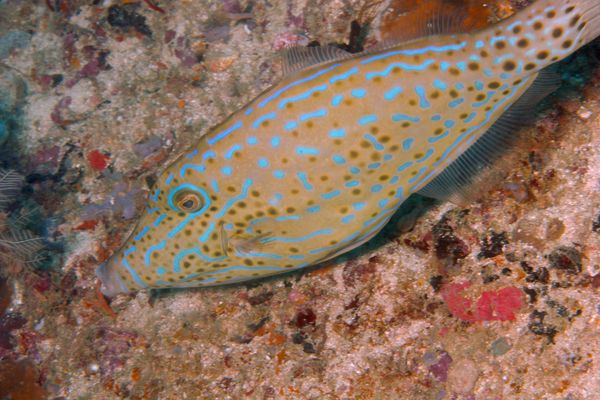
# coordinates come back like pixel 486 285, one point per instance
pixel 550 30
pixel 588 23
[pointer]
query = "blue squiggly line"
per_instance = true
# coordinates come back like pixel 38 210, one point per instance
pixel 157 247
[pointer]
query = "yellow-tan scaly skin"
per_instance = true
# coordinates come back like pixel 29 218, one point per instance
pixel 317 164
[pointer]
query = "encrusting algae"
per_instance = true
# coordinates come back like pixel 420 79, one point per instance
pixel 318 164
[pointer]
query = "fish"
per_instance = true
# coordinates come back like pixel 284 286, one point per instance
pixel 317 165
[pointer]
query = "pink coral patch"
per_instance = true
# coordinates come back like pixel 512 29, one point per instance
pixel 97 160
pixel 500 305
pixel 458 305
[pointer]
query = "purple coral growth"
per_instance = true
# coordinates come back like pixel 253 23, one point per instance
pixel 120 202
pixel 440 368
pixel 113 344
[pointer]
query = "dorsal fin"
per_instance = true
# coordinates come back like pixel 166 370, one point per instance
pixel 298 58
pixel 458 181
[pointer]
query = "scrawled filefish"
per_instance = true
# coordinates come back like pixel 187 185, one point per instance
pixel 317 165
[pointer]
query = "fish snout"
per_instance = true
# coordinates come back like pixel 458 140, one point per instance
pixel 112 284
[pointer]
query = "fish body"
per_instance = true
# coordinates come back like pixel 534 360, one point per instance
pixel 317 165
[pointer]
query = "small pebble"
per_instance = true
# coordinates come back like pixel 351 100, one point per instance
pixel 566 258
pixel 500 347
pixel 93 368
pixel 584 113
pixel 462 376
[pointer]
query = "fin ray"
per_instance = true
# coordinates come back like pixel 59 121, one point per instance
pixel 299 58
pixel 457 181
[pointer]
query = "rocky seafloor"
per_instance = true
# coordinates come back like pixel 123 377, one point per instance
pixel 496 298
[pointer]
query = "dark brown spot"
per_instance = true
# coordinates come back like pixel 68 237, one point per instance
pixel 557 32
pixel 374 130
pixel 473 66
pixel 310 124
pixel 574 20
pixel 567 43
pixel 454 71
pixel 517 29
pixel 551 14
pixel 353 154
pixel 494 85
pixel 265 124
pixel 500 44
pixel 412 102
pixel 569 10
pixel 523 43
pixel 509 66
pixel 538 25
pixel 453 94
pixel 529 66
pixel 434 95
pixel 483 53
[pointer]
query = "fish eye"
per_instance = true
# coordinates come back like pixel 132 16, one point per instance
pixel 188 201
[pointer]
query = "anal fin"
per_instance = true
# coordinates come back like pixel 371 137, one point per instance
pixel 457 182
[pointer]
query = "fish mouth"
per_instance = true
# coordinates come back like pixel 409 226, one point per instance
pixel 111 283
